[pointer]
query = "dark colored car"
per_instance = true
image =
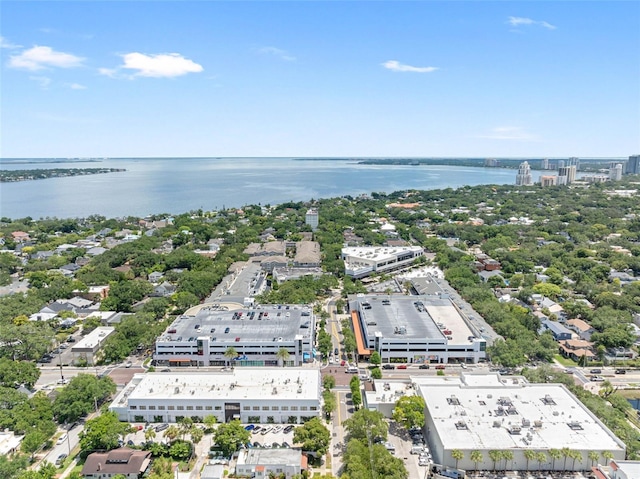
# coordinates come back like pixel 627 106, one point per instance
pixel 288 429
pixel 60 459
pixel 162 427
pixel 424 366
pixel 388 366
pixel 621 371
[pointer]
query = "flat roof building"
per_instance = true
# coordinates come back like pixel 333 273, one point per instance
pixel 87 348
pixel 262 462
pixel 275 395
pixel 362 261
pixel 257 335
pixel 415 329
pixel 493 413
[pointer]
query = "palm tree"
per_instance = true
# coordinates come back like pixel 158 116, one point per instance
pixel 185 425
pixel 593 457
pixel 210 421
pixel 477 457
pixel 541 457
pixel 495 456
pixel 457 454
pixel 554 454
pixel 230 353
pixel 529 455
pixel 608 455
pixel 149 434
pixel 507 455
pixel 566 452
pixel 575 455
pixel 172 433
pixel 283 355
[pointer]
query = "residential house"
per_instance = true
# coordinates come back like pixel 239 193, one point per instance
pixel 163 290
pixel 576 349
pixel 583 329
pixel 559 331
pixel 130 463
pixel 96 251
pixel 42 255
pixel 487 275
pixel 20 236
pixel 307 255
pixel 271 262
pixel 155 276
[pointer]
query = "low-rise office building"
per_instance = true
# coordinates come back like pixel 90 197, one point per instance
pixel 261 463
pixel 415 329
pixel 122 462
pixel 275 395
pixel 362 261
pixel 86 350
pixel 257 335
pixel 489 413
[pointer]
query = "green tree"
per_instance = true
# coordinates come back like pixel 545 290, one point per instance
pixel 375 358
pixel 283 356
pixel 16 373
pixel 172 433
pixel 376 373
pixel 229 436
pixel 593 457
pixel 507 455
pixel 329 402
pixel 495 455
pixel 554 454
pixel 329 381
pixel 476 457
pixel 607 455
pixel 366 423
pixel 566 453
pixel 210 421
pixel 313 436
pixel 409 411
pixel 457 454
pixel 80 396
pixel 230 353
pixel 541 457
pixel 149 434
pixel 103 432
pixel 529 455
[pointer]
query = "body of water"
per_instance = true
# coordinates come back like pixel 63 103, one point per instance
pixel 177 185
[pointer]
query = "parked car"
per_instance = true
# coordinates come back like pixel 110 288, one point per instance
pixel 256 430
pixel 596 371
pixel 288 429
pixel 440 366
pixel 250 427
pixel 60 459
pixel 424 366
pixel 388 366
pixel 402 366
pixel 127 364
pixel 597 378
pixel 162 427
pixel 621 371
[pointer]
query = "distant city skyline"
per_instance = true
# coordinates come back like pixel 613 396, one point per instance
pixel 320 79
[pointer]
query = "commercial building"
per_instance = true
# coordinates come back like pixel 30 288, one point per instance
pixel 567 173
pixel 548 180
pixel 276 395
pixel 257 335
pixel 524 178
pixel 86 350
pixel 415 329
pixel 261 463
pixel 311 218
pixel 489 413
pixel 615 172
pixel 633 165
pixel 362 261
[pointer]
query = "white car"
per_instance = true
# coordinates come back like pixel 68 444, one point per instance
pixel 277 429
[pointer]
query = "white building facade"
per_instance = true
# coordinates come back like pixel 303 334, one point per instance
pixel 311 218
pixel 363 261
pixel 276 395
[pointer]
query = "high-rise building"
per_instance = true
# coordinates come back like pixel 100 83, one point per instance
pixel 523 177
pixel 491 162
pixel 633 165
pixel 311 218
pixel 615 173
pixel 544 164
pixel 569 172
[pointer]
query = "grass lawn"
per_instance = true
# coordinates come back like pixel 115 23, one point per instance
pixel 629 393
pixel 569 363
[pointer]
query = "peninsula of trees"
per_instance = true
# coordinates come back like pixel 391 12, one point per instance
pixel 41 174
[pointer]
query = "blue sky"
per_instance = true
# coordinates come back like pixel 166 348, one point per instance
pixel 328 78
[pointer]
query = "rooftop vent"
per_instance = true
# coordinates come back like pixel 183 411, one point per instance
pixel 461 425
pixel 453 401
pixel 575 426
pixel 548 400
pixel 537 423
pixel 525 422
pixel 176 390
pixel 515 430
pixel 274 391
pixel 497 423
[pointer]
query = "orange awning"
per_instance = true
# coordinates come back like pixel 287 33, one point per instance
pixel 357 331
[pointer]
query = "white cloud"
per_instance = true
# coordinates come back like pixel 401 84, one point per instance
pixel 4 43
pixel 510 133
pixel 77 86
pixel 43 81
pixel 517 21
pixel 164 65
pixel 277 52
pixel 38 58
pixel 399 67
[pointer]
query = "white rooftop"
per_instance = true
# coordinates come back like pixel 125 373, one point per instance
pixel 94 338
pixel 377 252
pixel 241 383
pixel 494 412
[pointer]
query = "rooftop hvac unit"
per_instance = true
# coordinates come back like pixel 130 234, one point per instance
pixel 274 391
pixel 176 390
